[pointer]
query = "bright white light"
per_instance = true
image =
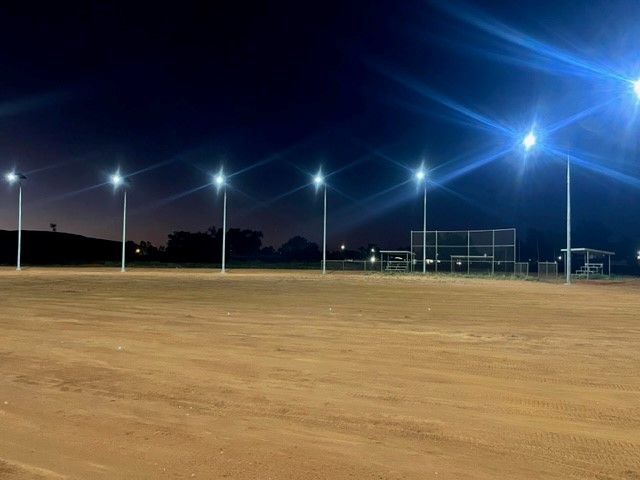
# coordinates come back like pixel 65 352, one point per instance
pixel 636 87
pixel 117 179
pixel 11 177
pixel 219 179
pixel 342 247
pixel 318 180
pixel 420 174
pixel 529 141
pixel 373 258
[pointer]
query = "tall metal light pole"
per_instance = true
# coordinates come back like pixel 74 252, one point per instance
pixel 529 142
pixel 14 177
pixel 319 181
pixel 221 183
pixel 568 262
pixel 421 176
pixel 118 180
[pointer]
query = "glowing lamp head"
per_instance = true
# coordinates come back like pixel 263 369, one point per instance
pixel 421 175
pixel 529 141
pixel 219 180
pixel 373 258
pixel 318 180
pixel 117 179
pixel 13 177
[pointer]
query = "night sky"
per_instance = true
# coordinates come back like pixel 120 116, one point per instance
pixel 366 90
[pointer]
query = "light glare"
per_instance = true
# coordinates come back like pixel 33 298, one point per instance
pixel 636 88
pixel 420 175
pixel 529 141
pixel 219 179
pixel 116 179
pixel 13 177
pixel 318 180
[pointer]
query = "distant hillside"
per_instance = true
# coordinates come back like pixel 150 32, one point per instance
pixel 46 248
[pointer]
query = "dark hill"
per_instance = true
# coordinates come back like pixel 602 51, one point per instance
pixel 46 248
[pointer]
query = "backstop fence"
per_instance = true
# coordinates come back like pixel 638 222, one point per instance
pixel 466 251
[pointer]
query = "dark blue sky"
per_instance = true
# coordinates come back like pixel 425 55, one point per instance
pixel 368 90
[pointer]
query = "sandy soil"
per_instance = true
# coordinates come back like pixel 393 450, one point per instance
pixel 281 375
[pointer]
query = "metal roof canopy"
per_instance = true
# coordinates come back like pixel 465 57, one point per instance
pixel 587 253
pixel 588 250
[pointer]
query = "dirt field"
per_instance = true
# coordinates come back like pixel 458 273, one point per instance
pixel 281 375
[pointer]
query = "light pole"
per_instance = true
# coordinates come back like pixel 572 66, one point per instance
pixel 421 176
pixel 118 180
pixel 14 177
pixel 529 142
pixel 220 182
pixel 568 262
pixel 319 181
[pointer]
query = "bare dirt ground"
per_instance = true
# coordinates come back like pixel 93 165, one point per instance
pixel 295 375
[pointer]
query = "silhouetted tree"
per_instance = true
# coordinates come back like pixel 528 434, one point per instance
pixel 365 253
pixel 299 249
pixel 145 251
pixel 244 243
pixel 191 247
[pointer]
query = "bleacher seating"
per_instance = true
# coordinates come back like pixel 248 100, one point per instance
pixel 589 270
pixel 397 266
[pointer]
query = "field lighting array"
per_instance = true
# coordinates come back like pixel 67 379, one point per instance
pixel 530 142
pixel 117 180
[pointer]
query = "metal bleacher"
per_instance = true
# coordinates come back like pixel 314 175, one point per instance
pixel 399 266
pixel 589 270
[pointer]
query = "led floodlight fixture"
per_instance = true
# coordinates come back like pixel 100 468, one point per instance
pixel 529 141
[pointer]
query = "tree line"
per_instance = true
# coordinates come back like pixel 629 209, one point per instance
pixel 241 245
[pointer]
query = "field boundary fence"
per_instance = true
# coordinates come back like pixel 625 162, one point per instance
pixel 491 252
pixel 522 269
pixel 548 270
pixel 349 265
